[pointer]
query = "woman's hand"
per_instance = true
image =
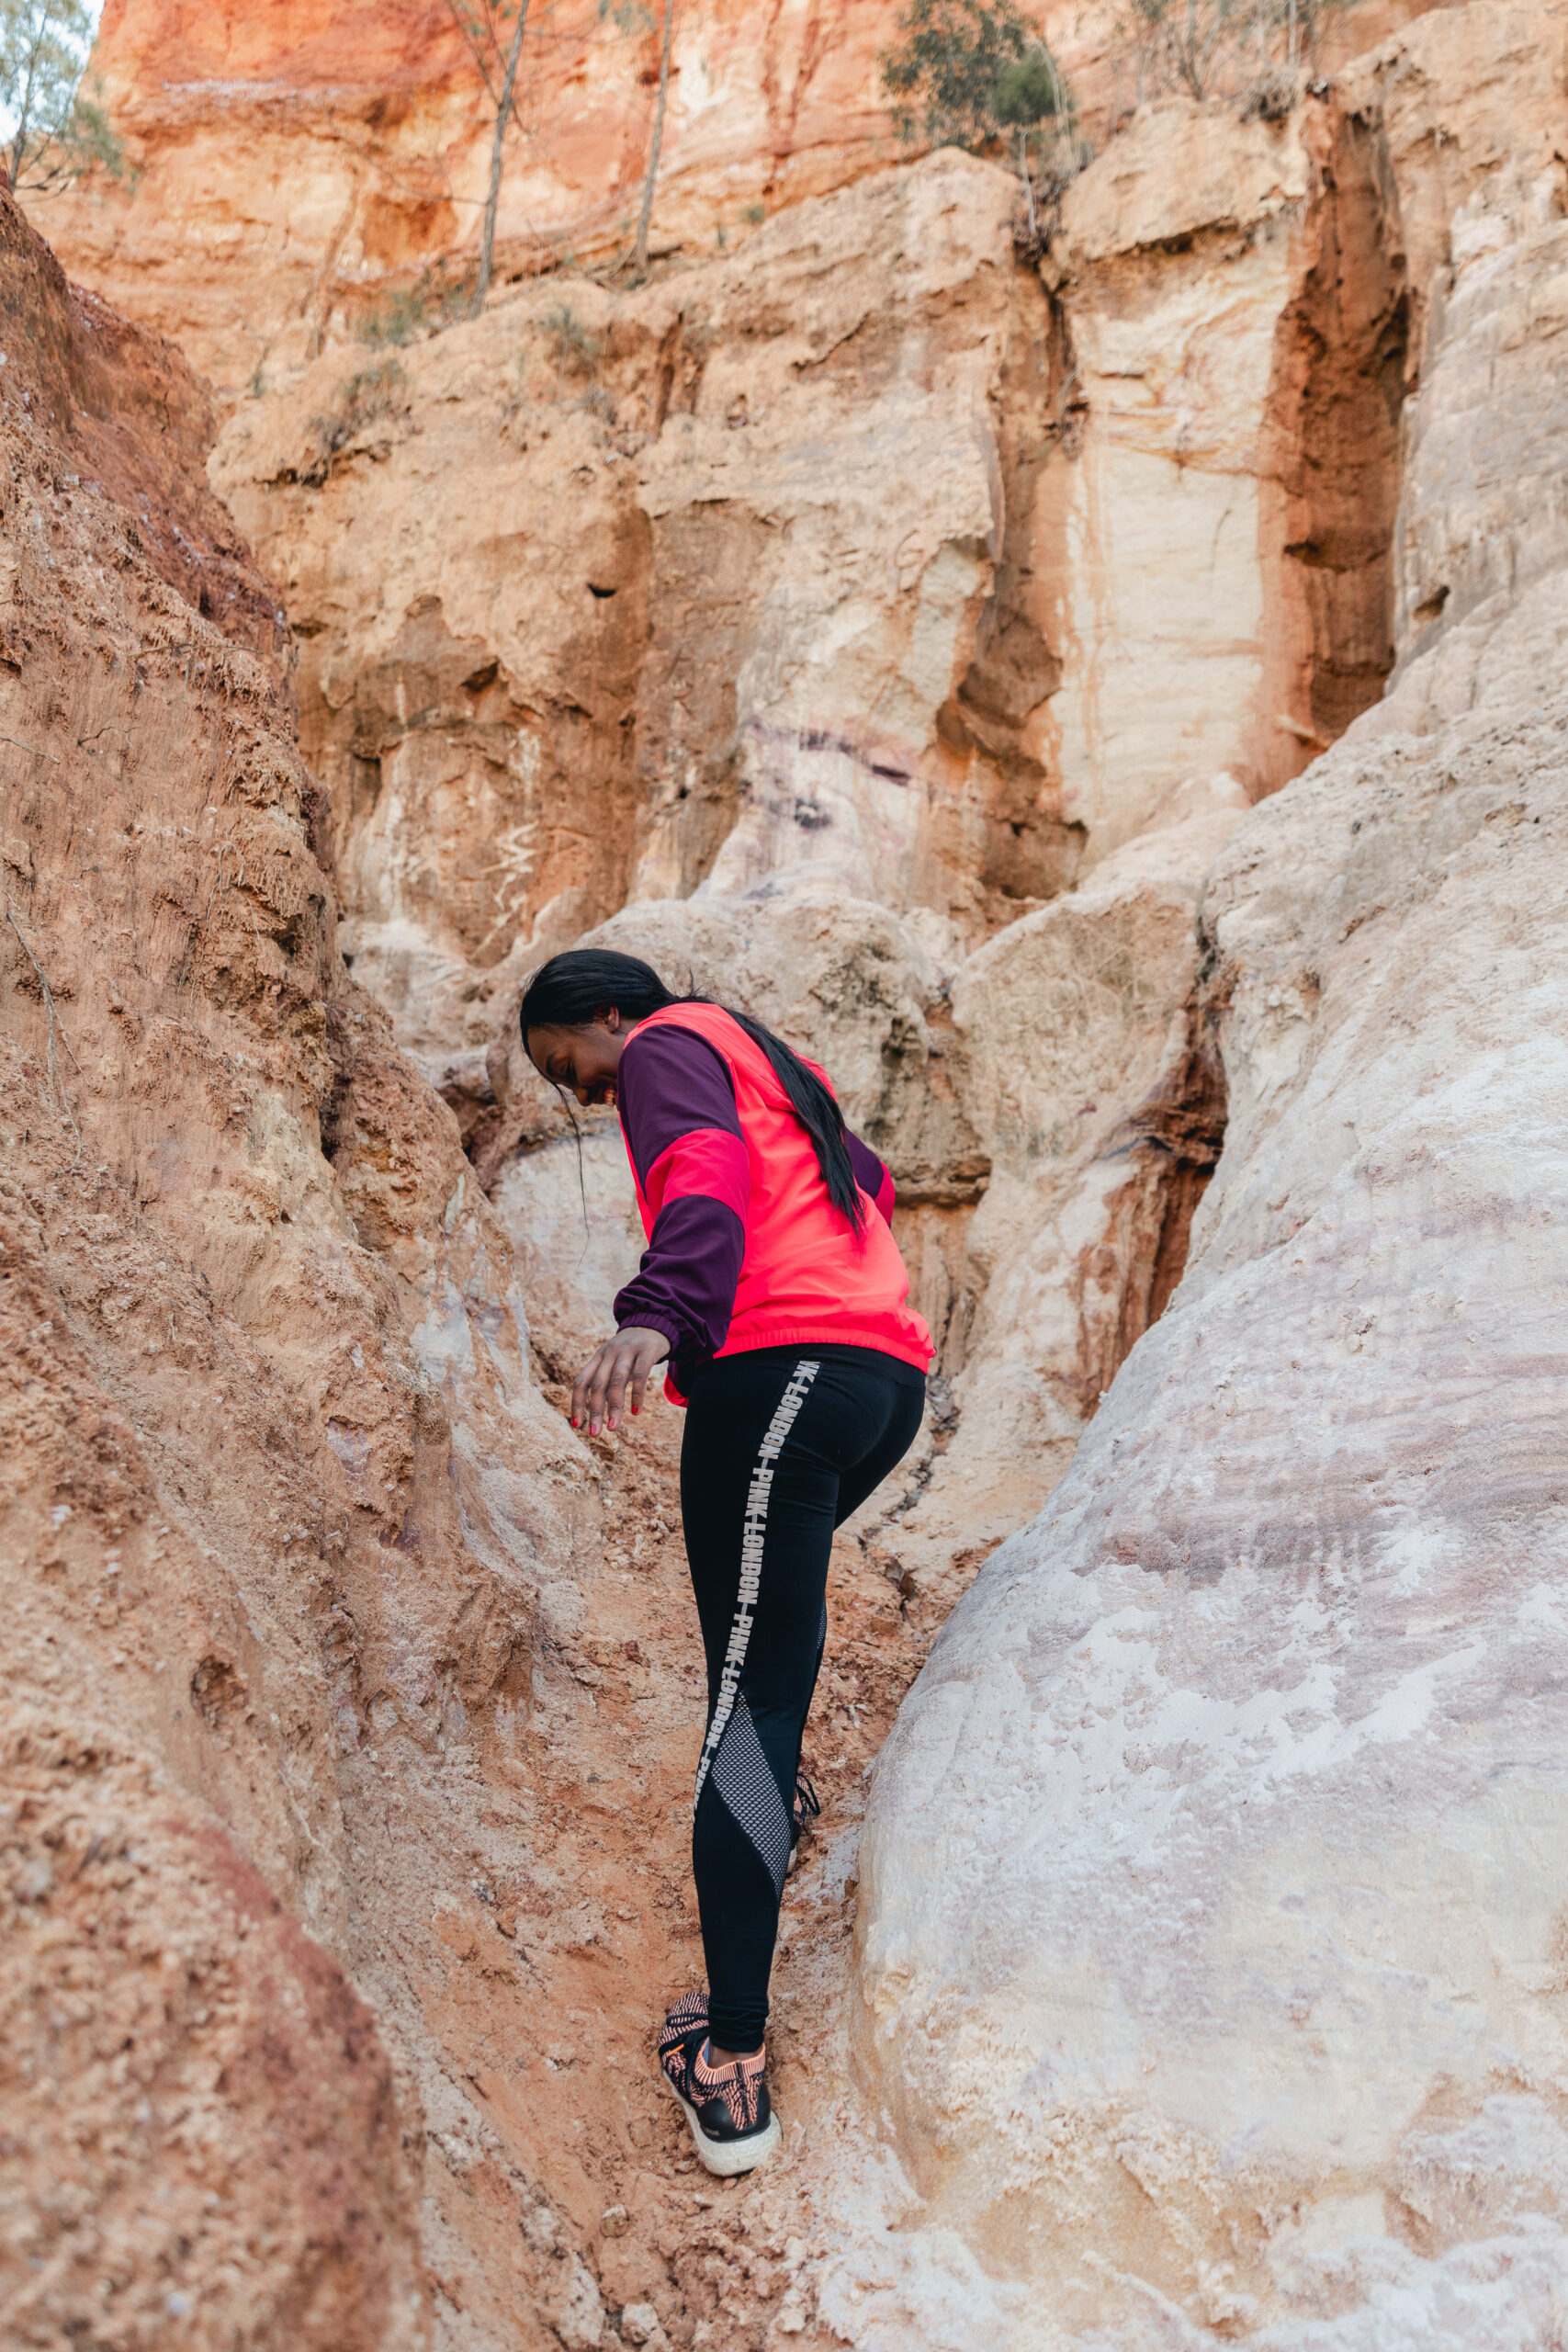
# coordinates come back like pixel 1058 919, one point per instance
pixel 600 1388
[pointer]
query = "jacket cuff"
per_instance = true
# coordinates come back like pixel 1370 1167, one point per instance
pixel 627 1309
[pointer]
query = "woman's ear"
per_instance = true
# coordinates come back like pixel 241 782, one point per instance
pixel 611 1017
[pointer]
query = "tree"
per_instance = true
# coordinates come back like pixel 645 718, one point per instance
pixel 55 132
pixel 639 259
pixel 1029 93
pixel 483 25
pixel 947 64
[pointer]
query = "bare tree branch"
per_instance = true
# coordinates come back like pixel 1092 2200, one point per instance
pixel 641 258
pixel 492 200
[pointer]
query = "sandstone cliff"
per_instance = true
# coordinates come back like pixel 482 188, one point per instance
pixel 1211 1883
pixel 294 169
pixel 325 155
pixel 890 633
pixel 200 2109
pixel 875 566
pixel 861 560
pixel 301 1569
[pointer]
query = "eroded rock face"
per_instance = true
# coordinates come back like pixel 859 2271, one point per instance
pixel 200 2110
pixel 328 155
pixel 259 1565
pixel 887 635
pixel 1473 110
pixel 721 567
pixel 1210 1894
pixel 1212 1872
pixel 335 159
pixel 862 561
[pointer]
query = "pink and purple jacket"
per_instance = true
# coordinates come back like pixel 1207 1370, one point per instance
pixel 745 1249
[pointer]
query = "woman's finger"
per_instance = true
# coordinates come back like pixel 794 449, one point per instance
pixel 600 1373
pixel 621 1362
pixel 579 1390
pixel 640 1370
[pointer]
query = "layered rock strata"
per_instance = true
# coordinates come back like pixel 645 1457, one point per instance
pixel 336 159
pixel 874 568
pixel 336 162
pixel 1476 155
pixel 200 2110
pixel 862 561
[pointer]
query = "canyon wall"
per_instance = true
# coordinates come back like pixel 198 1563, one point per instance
pixel 294 171
pixel 876 567
pixel 325 155
pixel 200 2107
pixel 875 558
pixel 890 629
pixel 299 1563
pixel 1210 1900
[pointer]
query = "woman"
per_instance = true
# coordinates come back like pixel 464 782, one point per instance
pixel 774 1289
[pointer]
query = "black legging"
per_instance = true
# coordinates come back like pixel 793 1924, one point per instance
pixel 780 1445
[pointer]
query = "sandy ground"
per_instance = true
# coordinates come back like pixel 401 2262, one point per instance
pixel 585 1929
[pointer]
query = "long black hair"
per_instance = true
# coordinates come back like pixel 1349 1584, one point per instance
pixel 574 989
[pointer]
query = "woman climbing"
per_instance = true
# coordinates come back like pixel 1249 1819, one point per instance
pixel 773 1287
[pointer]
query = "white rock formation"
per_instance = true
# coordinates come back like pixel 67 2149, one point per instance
pixel 1216 1871
pixel 1472 106
pixel 1213 1885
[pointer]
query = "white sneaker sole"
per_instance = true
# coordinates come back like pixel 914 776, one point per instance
pixel 729 2157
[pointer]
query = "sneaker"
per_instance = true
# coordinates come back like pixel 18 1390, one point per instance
pixel 728 2107
pixel 807 1808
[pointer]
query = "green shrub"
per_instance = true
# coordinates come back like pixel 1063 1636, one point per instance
pixel 1031 91
pixel 944 70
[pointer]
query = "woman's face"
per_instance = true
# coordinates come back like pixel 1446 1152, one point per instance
pixel 582 1060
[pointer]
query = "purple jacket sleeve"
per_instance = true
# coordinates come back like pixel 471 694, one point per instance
pixel 870 1175
pixel 677 1106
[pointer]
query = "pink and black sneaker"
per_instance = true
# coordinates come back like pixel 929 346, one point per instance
pixel 728 2107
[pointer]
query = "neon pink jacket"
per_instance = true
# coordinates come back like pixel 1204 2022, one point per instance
pixel 745 1248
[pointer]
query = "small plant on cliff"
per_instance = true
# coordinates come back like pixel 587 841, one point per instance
pixel 965 73
pixel 576 348
pixel 373 392
pixel 441 294
pixel 395 318
pixel 56 131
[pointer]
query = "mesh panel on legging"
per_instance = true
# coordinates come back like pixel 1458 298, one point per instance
pixel 779 1448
